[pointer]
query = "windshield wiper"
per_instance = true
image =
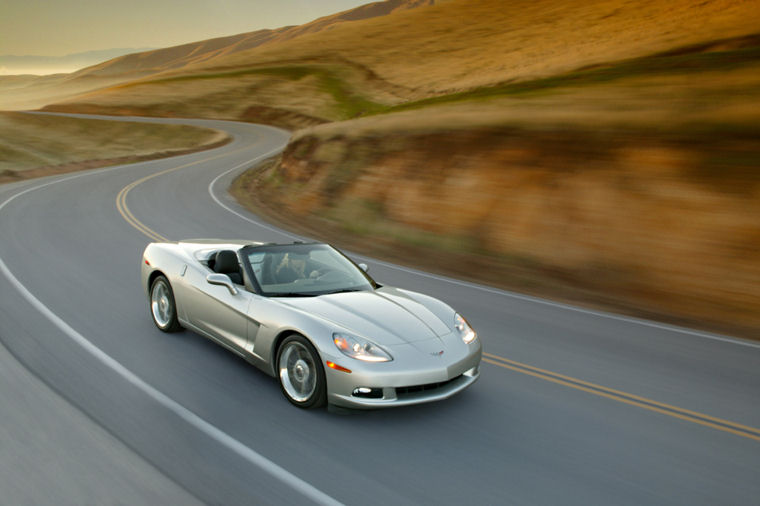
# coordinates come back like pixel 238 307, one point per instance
pixel 293 294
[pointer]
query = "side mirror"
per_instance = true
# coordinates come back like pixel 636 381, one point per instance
pixel 222 280
pixel 364 267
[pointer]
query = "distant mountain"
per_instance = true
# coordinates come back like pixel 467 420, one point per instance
pixel 36 64
pixel 175 57
pixel 86 72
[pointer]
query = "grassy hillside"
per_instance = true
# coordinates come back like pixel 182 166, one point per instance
pixel 33 145
pixel 203 52
pixel 601 152
pixel 31 92
pixel 633 186
pixel 362 67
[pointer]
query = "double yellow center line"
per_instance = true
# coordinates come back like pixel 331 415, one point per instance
pixel 121 206
pixel 121 198
pixel 568 381
pixel 633 400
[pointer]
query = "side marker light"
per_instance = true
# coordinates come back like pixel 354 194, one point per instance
pixel 333 365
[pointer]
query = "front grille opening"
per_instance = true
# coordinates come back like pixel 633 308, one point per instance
pixel 401 391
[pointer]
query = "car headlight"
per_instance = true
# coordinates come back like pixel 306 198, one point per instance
pixel 360 349
pixel 468 335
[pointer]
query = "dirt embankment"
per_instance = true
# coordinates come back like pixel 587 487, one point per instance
pixel 603 152
pixel 654 225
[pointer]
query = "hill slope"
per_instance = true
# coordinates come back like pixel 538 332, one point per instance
pixel 365 67
pixel 602 152
pixel 36 92
pixel 208 51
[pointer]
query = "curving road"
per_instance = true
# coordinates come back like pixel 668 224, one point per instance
pixel 573 406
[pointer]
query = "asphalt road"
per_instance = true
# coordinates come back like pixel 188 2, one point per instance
pixel 573 406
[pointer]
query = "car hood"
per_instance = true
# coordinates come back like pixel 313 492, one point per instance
pixel 386 316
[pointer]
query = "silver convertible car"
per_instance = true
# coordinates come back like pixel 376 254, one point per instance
pixel 308 315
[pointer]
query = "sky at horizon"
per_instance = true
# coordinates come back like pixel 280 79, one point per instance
pixel 63 27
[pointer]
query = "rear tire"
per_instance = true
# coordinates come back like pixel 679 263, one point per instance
pixel 302 377
pixel 163 308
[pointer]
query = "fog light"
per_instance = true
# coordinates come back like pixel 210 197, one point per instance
pixel 368 393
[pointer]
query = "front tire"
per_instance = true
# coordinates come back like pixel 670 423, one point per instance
pixel 163 308
pixel 302 377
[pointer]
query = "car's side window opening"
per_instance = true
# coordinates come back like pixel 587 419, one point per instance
pixel 210 263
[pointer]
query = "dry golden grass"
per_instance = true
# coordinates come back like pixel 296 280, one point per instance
pixel 603 152
pixel 362 67
pixel 29 142
pixel 629 220
pixel 467 44
pixel 18 93
pixel 669 100
pixel 31 92
pixel 305 91
pixel 199 53
pixel 633 187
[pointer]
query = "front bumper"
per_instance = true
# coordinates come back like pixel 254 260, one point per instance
pixel 405 384
pixel 413 394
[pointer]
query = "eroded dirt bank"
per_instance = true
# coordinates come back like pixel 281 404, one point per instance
pixel 647 223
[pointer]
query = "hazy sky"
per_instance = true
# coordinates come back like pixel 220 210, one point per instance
pixel 60 27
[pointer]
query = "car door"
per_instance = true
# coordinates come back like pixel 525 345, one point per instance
pixel 216 311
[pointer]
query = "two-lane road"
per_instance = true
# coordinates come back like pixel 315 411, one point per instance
pixel 573 406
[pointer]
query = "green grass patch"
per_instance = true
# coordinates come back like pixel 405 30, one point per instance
pixel 348 103
pixel 331 80
pixel 292 72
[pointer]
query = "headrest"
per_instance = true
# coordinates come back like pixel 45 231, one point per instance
pixel 226 262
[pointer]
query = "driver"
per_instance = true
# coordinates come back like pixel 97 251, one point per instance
pixel 293 267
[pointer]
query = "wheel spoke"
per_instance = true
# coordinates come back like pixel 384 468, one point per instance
pixel 297 372
pixel 161 305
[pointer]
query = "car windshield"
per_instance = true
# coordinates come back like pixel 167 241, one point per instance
pixel 304 270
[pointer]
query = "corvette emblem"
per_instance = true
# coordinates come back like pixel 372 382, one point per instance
pixel 437 353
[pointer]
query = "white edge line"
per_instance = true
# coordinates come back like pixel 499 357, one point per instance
pixel 220 436
pixel 246 218
pixel 528 298
pixel 496 291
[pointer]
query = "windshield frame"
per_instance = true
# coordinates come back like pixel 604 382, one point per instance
pixel 297 247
